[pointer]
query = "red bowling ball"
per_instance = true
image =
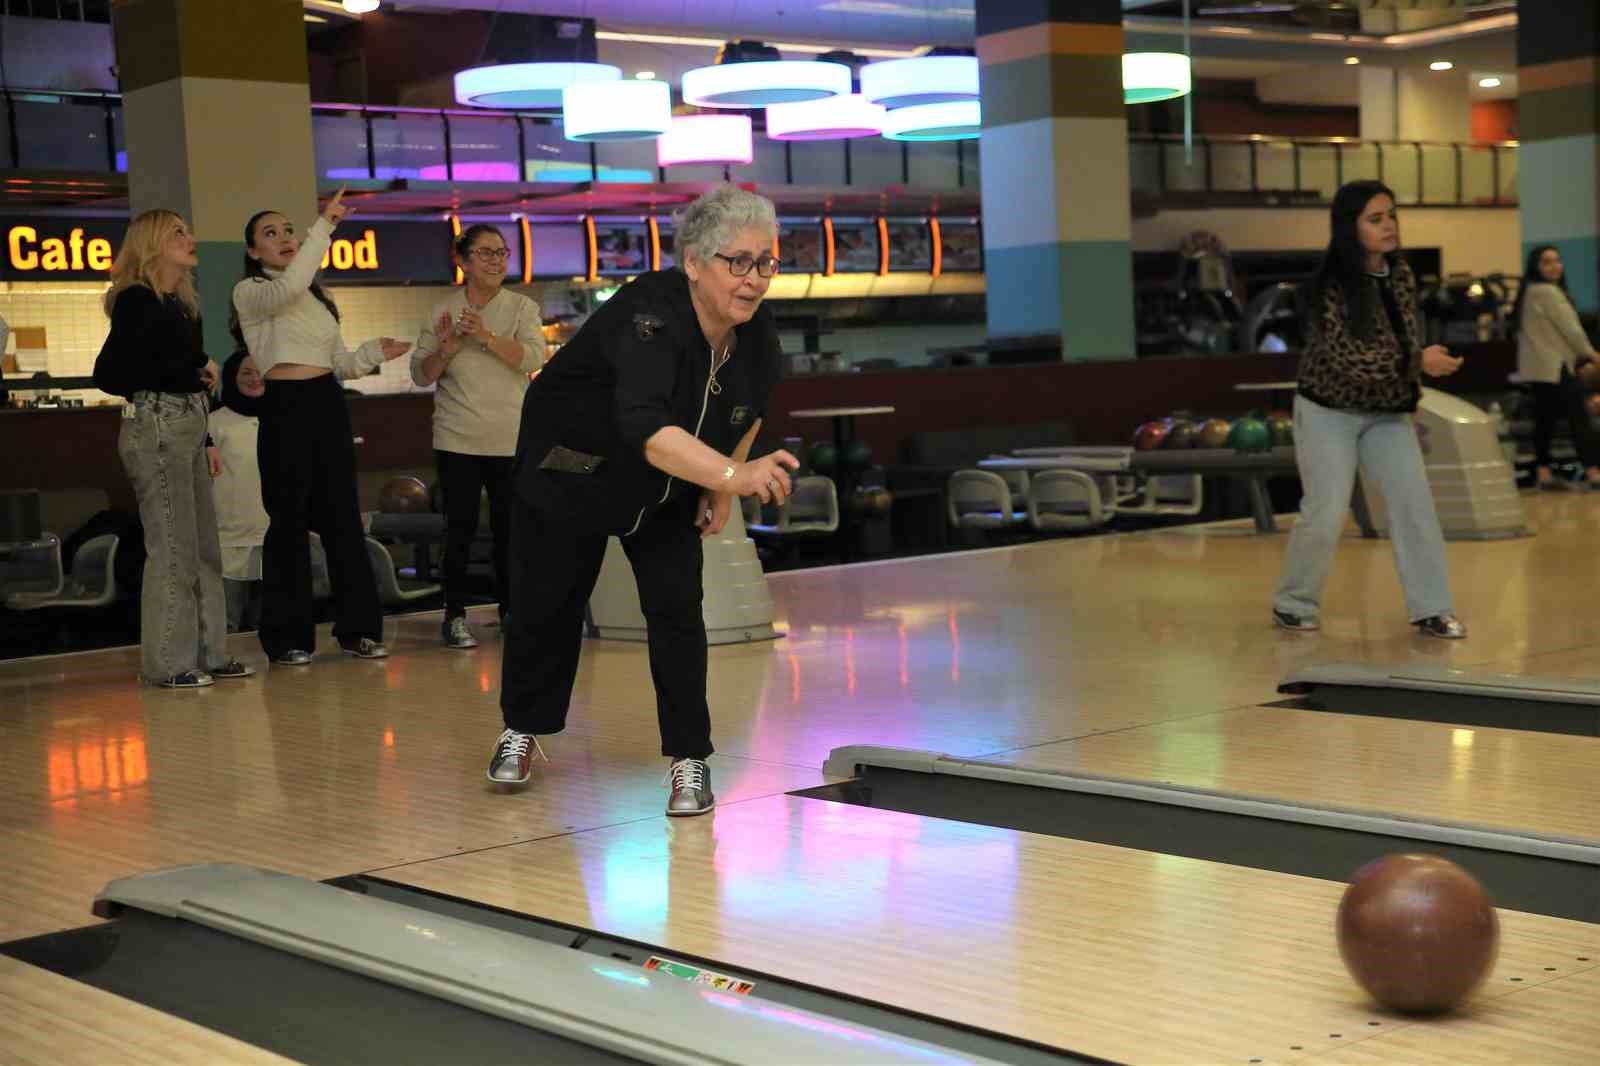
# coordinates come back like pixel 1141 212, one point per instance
pixel 1417 932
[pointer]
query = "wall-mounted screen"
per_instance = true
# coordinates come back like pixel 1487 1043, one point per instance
pixel 855 246
pixel 960 245
pixel 800 246
pixel 559 250
pixel 621 247
pixel 910 245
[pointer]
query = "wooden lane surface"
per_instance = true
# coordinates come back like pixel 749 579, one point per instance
pixel 1128 955
pixel 48 1020
pixel 1542 783
pixel 344 766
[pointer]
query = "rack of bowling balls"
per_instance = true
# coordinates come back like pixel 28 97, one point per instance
pixel 823 457
pixel 1589 381
pixel 1254 432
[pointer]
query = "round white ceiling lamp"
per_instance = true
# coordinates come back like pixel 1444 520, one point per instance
pixel 1148 77
pixel 923 80
pixel 762 84
pixel 706 139
pixel 616 110
pixel 360 7
pixel 953 120
pixel 527 85
pixel 837 118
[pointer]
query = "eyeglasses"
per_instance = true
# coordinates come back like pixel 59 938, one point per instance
pixel 492 255
pixel 740 265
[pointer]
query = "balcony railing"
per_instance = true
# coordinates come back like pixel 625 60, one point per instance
pixel 1310 169
pixel 58 130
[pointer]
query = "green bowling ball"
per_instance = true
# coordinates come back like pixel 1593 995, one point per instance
pixel 1250 434
pixel 857 455
pixel 824 457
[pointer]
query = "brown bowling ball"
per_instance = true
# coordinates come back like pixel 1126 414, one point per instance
pixel 1417 932
pixel 1589 376
pixel 1214 433
pixel 1151 435
pixel 404 495
pixel 1592 402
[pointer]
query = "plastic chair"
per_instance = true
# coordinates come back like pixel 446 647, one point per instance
pixel 1065 500
pixel 31 569
pixel 391 589
pixel 813 507
pixel 980 499
pixel 92 583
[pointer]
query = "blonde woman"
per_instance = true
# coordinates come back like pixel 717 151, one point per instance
pixel 153 357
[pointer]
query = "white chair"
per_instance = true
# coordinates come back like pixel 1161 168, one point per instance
pixel 981 499
pixel 1165 494
pixel 1017 482
pixel 1065 500
pixel 813 507
pixel 92 582
pixel 392 590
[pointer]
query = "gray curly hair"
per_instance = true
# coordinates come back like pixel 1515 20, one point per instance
pixel 712 221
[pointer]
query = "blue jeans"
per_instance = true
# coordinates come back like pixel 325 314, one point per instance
pixel 182 614
pixel 1330 445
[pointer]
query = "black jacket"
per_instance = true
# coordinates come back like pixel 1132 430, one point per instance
pixel 640 364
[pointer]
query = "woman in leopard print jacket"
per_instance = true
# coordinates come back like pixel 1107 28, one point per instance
pixel 1358 391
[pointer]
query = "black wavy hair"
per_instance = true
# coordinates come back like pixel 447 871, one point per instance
pixel 463 243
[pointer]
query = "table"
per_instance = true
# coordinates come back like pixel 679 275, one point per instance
pixel 844 431
pixel 1277 392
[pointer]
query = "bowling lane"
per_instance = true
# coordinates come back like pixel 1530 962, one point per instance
pixel 1123 954
pixel 1541 783
pixel 1552 1022
pixel 47 1020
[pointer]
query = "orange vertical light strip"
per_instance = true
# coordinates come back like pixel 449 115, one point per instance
pixel 594 248
pixel 883 246
pixel 938 247
pixel 527 251
pixel 827 247
pixel 655 242
pixel 455 235
pixel 775 252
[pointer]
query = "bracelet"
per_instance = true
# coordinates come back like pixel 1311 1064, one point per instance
pixel 728 472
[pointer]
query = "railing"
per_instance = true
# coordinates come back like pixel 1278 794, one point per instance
pixel 60 130
pixel 1310 169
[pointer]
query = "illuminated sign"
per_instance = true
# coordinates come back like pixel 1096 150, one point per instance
pixel 360 254
pixel 402 252
pixel 49 249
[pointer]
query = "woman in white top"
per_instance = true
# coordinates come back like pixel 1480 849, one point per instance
pixel 235 427
pixel 1550 345
pixel 479 344
pixel 306 451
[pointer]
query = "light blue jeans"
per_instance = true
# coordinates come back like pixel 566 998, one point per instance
pixel 182 610
pixel 1330 446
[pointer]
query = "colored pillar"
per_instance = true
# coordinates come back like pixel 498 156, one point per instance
pixel 217 116
pixel 1558 58
pixel 1057 218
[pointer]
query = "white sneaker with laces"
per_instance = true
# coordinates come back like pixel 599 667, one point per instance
pixel 512 763
pixel 691 788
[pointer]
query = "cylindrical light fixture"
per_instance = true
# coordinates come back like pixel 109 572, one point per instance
pixel 761 84
pixel 360 7
pixel 1151 76
pixel 955 120
pixel 709 139
pixel 923 80
pixel 616 110
pixel 536 85
pixel 837 118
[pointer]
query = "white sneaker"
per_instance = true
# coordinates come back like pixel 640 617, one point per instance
pixel 457 635
pixel 691 788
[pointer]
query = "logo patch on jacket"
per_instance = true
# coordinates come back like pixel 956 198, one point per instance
pixel 741 415
pixel 646 326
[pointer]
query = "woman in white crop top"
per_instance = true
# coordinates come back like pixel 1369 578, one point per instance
pixel 306 451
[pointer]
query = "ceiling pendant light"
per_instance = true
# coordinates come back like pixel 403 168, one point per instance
pixel 762 84
pixel 954 120
pixel 924 80
pixel 709 139
pixel 360 7
pixel 1148 77
pixel 837 118
pixel 629 110
pixel 527 85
